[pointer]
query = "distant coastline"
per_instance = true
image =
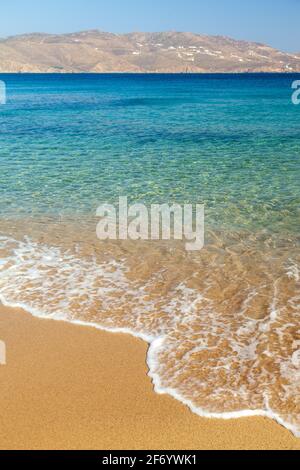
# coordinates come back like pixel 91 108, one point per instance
pixel 254 74
pixel 168 52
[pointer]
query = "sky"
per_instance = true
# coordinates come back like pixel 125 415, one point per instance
pixel 274 22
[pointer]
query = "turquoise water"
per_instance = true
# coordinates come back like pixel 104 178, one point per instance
pixel 71 142
pixel 223 323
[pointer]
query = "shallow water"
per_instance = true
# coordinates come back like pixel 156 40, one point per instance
pixel 222 323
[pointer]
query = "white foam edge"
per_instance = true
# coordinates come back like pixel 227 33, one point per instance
pixel 159 389
pixel 154 343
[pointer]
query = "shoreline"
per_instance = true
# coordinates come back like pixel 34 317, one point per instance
pixel 285 73
pixel 151 343
pixel 69 387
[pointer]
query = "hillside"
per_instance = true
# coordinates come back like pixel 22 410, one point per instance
pixel 95 51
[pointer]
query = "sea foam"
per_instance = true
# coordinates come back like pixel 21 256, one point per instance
pixel 219 362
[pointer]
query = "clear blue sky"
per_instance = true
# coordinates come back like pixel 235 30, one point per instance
pixel 275 22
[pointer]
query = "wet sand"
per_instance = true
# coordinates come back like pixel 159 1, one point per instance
pixel 72 387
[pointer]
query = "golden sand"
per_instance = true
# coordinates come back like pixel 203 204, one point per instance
pixel 72 387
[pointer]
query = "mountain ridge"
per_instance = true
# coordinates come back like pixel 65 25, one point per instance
pixel 160 52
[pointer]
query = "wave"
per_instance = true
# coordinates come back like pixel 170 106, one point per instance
pixel 224 344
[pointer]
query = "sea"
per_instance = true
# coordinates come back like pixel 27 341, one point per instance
pixel 222 323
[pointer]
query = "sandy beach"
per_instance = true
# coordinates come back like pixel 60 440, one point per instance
pixel 72 387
